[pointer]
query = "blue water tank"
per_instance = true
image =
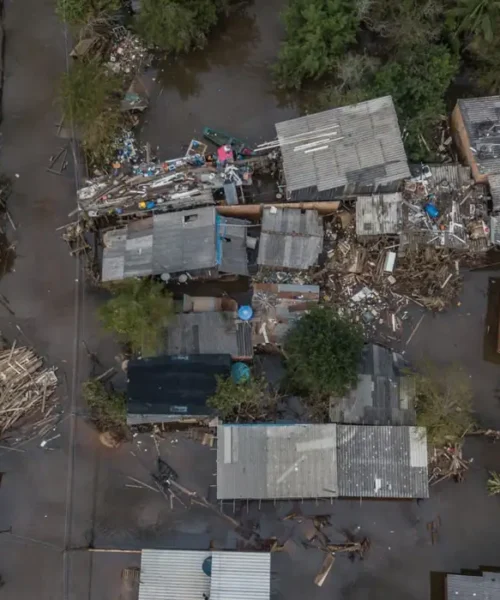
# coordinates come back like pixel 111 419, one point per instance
pixel 207 566
pixel 245 312
pixel 240 372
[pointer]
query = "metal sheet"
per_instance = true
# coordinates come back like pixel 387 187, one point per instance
pixel 240 576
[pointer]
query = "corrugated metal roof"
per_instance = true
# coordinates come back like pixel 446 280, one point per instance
pixel 290 238
pixel 473 587
pixel 380 214
pixel 382 462
pixel 173 575
pixel 482 121
pixel 383 395
pixel 360 145
pixel 179 575
pixel 240 576
pixel 175 242
pixel 209 333
pixel 276 461
pixel 321 461
pixel 232 234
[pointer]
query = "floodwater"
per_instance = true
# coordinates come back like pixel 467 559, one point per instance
pixel 226 86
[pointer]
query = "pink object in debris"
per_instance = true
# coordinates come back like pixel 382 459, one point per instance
pixel 225 154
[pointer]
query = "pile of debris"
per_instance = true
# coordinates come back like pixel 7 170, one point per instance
pixel 127 54
pixel 26 387
pixel 448 463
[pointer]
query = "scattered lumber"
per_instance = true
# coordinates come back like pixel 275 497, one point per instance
pixel 26 388
pixel 446 463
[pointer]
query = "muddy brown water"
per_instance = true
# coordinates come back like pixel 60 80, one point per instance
pixel 226 86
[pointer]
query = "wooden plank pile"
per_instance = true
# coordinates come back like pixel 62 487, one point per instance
pixel 26 388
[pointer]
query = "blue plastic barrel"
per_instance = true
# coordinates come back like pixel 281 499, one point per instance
pixel 240 372
pixel 245 312
pixel 207 566
pixel 431 210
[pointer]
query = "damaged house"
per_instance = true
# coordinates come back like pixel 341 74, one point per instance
pixel 384 395
pixel 475 124
pixel 344 151
pixel 271 462
pixel 290 238
pixel 192 243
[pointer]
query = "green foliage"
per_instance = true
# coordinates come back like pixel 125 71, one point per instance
pixel 107 408
pixel 317 34
pixel 245 401
pixel 177 25
pixel 493 483
pixel 322 352
pixel 476 17
pixel 90 97
pixel 80 12
pixel 417 82
pixel 443 403
pixel 138 313
pixel 405 23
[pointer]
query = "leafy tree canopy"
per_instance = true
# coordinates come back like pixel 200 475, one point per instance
pixel 443 403
pixel 317 33
pixel 244 401
pixel 138 313
pixel 176 25
pixel 417 82
pixel 476 17
pixel 107 408
pixel 90 97
pixel 80 12
pixel 322 352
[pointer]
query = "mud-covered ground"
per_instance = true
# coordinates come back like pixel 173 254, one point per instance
pixel 55 313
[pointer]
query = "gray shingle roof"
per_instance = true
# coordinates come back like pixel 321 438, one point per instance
pixel 189 240
pixel 209 333
pixel 473 587
pixel 360 145
pixel 290 238
pixel 320 461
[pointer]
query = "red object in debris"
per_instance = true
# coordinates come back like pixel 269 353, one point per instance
pixel 225 154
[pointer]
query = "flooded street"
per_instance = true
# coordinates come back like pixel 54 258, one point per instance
pixel 226 86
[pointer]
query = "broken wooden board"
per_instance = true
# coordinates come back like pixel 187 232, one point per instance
pixel 326 567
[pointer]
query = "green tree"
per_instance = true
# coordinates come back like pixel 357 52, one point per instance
pixel 317 34
pixel 244 401
pixel 417 82
pixel 176 25
pixel 80 12
pixel 405 22
pixel 90 98
pixel 107 408
pixel 493 483
pixel 138 313
pixel 322 352
pixel 476 17
pixel 443 403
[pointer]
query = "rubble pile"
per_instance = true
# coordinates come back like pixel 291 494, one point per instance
pixel 127 54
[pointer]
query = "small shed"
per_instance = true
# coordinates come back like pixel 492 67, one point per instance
pixel 173 388
pixel 290 238
pixel 210 333
pixel 379 214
